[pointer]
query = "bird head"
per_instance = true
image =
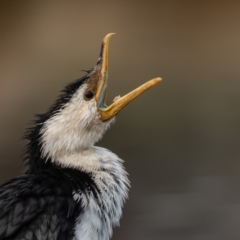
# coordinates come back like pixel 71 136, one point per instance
pixel 80 116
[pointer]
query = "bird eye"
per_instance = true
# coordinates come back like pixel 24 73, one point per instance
pixel 89 95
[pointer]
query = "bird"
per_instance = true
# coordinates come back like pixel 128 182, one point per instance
pixel 71 189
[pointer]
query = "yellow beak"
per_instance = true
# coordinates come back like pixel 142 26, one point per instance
pixel 107 112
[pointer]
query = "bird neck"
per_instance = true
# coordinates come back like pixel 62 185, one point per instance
pixel 91 159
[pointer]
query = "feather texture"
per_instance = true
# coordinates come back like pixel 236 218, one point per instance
pixel 72 190
pixel 41 206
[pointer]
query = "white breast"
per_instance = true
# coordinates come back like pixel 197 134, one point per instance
pixel 102 213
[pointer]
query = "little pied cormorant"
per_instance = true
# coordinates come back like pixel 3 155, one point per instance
pixel 72 190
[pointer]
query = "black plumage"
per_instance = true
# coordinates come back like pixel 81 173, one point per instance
pixel 39 205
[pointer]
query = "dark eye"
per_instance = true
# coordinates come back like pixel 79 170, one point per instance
pixel 89 95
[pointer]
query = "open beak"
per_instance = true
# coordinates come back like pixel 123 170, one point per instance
pixel 107 112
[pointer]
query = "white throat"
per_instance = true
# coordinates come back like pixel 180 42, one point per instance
pixel 74 128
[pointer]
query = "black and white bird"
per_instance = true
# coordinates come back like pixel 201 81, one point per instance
pixel 72 189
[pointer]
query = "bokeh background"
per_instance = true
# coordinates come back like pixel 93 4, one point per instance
pixel 180 140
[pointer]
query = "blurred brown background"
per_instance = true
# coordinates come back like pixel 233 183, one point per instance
pixel 180 140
